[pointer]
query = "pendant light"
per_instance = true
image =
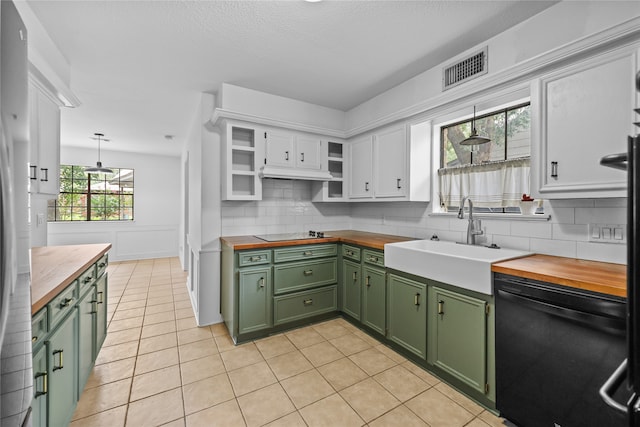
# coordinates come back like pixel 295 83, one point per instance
pixel 474 138
pixel 99 168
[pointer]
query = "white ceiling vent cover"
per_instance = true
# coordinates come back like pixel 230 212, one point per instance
pixel 469 68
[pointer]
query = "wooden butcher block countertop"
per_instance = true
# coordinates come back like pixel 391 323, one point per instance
pixel 53 268
pixel 603 277
pixel 362 238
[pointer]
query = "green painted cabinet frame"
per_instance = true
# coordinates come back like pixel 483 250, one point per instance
pixel 407 311
pixel 351 288
pixel 62 364
pixel 255 302
pixel 374 298
pixel 458 336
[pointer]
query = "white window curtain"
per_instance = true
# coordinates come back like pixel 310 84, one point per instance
pixel 491 185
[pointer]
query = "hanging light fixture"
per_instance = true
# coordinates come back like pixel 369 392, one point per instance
pixel 98 168
pixel 474 138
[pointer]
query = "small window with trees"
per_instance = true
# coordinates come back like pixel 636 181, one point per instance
pixel 93 197
pixel 495 174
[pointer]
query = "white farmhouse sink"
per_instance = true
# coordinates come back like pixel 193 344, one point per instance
pixel 465 266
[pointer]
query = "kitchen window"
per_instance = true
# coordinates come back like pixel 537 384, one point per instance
pixel 93 197
pixel 494 175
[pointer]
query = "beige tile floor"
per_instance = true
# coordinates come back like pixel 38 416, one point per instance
pixel 157 367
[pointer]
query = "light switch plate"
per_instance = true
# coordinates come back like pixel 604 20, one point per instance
pixel 608 233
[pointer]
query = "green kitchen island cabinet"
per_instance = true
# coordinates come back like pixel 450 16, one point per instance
pixel 68 324
pixel 407 308
pixel 265 290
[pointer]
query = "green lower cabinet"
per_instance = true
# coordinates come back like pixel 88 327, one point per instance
pixel 40 386
pixel 351 288
pixel 101 315
pixel 63 367
pixel 458 336
pixel 407 309
pixel 374 298
pixel 300 305
pixel 86 327
pixel 255 299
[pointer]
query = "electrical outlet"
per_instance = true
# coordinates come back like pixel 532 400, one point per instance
pixel 39 219
pixel 608 233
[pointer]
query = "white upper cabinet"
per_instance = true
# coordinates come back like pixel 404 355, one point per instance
pixel 280 149
pixel 580 114
pixel 294 155
pixel 390 165
pixel 44 165
pixel 242 151
pixel 390 162
pixel 361 168
pixel 308 152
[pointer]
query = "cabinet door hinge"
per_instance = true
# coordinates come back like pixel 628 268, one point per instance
pixel 486 388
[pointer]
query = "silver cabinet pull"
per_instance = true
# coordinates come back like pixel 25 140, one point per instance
pixel 441 307
pixel 307 253
pixel 350 253
pixel 60 364
pixel 33 172
pixel 46 174
pixel 255 258
pixel 286 155
pixel 261 282
pixel 308 272
pixel 368 281
pixel 87 279
pixel 102 264
pixel 100 297
pixel 302 157
pixel 398 183
pixel 308 301
pixel 554 169
pixel 366 186
pixel 355 276
pixel 416 299
pixel 66 302
pixel 42 376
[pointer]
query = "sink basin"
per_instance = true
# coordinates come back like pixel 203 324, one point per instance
pixel 465 266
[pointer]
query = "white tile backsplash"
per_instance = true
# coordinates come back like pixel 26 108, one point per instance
pixel 287 207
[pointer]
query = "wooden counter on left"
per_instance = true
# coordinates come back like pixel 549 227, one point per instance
pixel 53 268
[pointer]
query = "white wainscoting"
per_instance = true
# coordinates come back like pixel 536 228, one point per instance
pixel 128 240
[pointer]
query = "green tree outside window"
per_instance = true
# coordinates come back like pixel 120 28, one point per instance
pixel 93 197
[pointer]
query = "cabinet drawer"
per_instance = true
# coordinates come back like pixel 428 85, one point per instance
pixel 296 253
pixel 87 278
pixel 63 303
pixel 296 306
pixel 254 258
pixel 101 265
pixel 303 275
pixel 373 257
pixel 351 252
pixel 39 326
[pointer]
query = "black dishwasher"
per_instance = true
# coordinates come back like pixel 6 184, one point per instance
pixel 555 347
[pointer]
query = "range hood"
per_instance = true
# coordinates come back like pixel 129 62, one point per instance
pixel 294 173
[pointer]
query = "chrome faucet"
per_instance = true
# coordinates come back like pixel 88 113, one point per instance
pixel 475 227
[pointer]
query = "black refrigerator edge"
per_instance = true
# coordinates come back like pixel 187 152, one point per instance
pixel 629 371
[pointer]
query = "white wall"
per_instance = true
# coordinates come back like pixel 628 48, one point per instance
pixel 521 45
pixel 154 231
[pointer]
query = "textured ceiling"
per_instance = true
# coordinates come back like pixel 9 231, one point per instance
pixel 138 66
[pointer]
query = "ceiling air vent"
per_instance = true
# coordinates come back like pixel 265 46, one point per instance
pixel 466 69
